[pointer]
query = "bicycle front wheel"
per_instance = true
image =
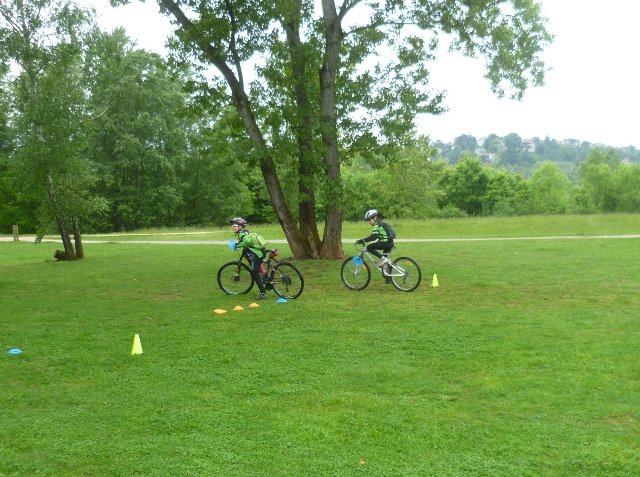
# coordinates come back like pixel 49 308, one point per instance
pixel 234 278
pixel 287 280
pixel 355 273
pixel 405 274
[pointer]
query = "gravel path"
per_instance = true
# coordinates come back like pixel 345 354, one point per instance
pixel 31 238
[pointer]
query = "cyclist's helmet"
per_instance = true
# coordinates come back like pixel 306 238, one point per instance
pixel 238 221
pixel 370 214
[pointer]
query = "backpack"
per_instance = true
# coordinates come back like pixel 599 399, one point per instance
pixel 258 240
pixel 391 234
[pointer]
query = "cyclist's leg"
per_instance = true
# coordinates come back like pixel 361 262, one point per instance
pixel 387 269
pixel 373 248
pixel 376 248
pixel 255 269
pixel 388 246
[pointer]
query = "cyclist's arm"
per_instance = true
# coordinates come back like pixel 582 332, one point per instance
pixel 247 243
pixel 370 238
pixel 244 241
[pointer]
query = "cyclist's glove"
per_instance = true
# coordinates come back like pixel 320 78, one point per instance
pixel 360 241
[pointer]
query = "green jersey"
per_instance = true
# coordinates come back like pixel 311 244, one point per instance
pixel 382 232
pixel 252 241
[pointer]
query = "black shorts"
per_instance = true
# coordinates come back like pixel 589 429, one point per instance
pixel 384 247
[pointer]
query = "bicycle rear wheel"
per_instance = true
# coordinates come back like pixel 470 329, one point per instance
pixel 287 280
pixel 405 274
pixel 355 274
pixel 234 278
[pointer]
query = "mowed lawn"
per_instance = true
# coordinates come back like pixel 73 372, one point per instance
pixel 524 361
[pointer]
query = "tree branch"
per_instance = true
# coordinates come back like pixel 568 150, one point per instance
pixel 346 7
pixel 213 54
pixel 232 43
pixel 377 25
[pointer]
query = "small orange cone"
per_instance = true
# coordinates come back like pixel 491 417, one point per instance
pixel 137 345
pixel 254 305
pixel 238 308
pixel 218 311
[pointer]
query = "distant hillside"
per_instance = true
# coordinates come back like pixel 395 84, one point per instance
pixel 524 155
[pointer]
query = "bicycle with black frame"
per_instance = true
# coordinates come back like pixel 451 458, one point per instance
pixel 279 275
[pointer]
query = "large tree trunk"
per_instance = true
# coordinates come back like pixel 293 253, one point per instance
pixel 77 238
pixel 304 240
pixel 304 132
pixel 301 247
pixel 331 241
pixel 60 221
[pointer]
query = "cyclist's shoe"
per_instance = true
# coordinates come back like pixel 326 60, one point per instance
pixel 386 272
pixel 262 296
pixel 383 261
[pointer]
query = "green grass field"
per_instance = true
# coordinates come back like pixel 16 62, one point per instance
pixel 523 362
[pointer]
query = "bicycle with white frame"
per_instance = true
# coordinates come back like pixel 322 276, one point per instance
pixel 403 272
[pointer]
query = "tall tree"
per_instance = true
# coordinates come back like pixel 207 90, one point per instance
pixel 492 144
pixel 323 90
pixel 627 186
pixel 217 183
pixel 597 177
pixel 465 185
pixel 506 194
pixel 513 146
pixel 550 190
pixel 9 212
pixel 139 134
pixel 407 186
pixel 464 144
pixel 43 38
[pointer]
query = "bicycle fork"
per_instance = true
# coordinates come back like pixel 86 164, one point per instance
pixel 358 262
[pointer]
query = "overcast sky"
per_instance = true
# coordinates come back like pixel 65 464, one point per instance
pixel 591 92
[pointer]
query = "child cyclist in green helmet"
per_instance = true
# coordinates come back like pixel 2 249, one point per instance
pixel 254 252
pixel 382 235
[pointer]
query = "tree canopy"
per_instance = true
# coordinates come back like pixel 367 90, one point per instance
pixel 95 131
pixel 43 39
pixel 318 83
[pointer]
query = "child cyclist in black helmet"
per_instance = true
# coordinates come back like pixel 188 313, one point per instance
pixel 382 234
pixel 254 253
